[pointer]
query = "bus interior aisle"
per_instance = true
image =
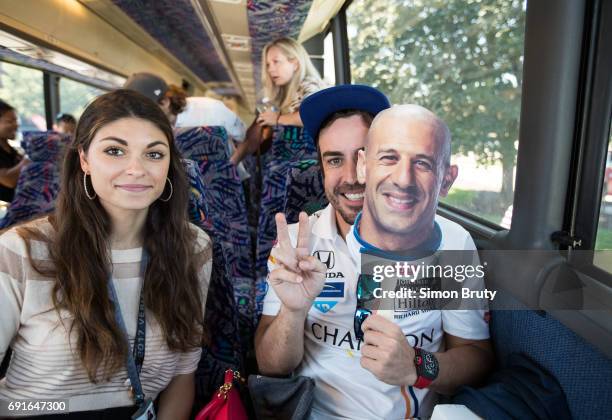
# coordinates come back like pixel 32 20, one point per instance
pixel 516 98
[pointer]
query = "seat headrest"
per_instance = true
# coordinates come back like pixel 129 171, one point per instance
pixel 44 146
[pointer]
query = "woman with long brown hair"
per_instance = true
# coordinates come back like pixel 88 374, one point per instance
pixel 118 257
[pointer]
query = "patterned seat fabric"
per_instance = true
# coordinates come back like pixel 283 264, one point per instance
pixel 225 201
pixel 251 164
pixel 305 190
pixel 289 145
pixel 198 212
pixel 224 348
pixel 39 181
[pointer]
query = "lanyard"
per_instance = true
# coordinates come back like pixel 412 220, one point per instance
pixel 135 358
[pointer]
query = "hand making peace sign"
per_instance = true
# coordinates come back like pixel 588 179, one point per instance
pixel 299 277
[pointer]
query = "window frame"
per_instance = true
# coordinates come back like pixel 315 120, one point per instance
pixel 593 139
pixel 591 145
pixel 51 89
pixel 342 60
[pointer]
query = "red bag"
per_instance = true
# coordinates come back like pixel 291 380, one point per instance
pixel 226 404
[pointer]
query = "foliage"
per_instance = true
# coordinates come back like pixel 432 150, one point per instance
pixel 22 88
pixel 477 202
pixel 460 58
pixel 604 239
pixel 460 198
pixel 75 96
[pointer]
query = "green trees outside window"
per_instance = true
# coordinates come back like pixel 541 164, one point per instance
pixel 462 59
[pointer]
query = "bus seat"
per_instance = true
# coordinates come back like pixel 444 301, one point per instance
pixel 521 390
pixel 253 184
pixel 289 145
pixel 198 213
pixel 585 375
pixel 305 190
pixel 39 181
pixel 224 349
pixel 225 201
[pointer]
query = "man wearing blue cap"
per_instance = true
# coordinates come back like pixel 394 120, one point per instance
pixel 388 364
pixel 338 119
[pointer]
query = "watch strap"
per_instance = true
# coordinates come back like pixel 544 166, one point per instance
pixel 422 382
pixel 425 376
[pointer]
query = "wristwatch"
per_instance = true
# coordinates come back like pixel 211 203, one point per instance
pixel 426 367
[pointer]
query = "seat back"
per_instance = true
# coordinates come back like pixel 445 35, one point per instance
pixel 225 201
pixel 585 375
pixel 251 164
pixel 39 181
pixel 198 212
pixel 304 189
pixel 224 349
pixel 289 145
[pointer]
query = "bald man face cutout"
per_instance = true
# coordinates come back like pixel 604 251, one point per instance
pixel 405 167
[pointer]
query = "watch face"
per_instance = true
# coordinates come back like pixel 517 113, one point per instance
pixel 430 366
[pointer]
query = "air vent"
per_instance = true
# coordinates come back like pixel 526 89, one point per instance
pixel 243 67
pixel 237 42
pixel 228 1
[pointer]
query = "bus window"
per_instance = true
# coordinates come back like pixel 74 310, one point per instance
pixel 74 96
pixel 329 68
pixel 22 88
pixel 464 61
pixel 604 230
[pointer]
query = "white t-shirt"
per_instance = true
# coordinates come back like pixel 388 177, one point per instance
pixel 332 354
pixel 202 111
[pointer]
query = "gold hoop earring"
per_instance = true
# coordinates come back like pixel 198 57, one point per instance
pixel 171 191
pixel 91 197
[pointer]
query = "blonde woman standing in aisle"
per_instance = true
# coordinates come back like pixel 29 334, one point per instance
pixel 288 76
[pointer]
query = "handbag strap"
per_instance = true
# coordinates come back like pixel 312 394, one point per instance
pixel 228 382
pixel 135 358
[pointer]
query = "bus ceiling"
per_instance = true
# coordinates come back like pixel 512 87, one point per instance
pixel 206 45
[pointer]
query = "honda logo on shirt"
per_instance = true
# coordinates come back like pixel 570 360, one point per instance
pixel 326 257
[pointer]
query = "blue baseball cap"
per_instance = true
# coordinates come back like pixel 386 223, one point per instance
pixel 316 108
